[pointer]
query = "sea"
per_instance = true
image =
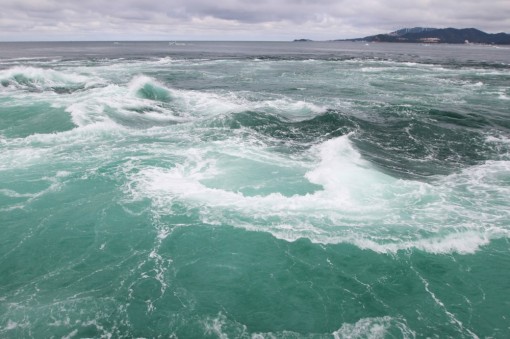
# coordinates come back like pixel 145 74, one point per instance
pixel 254 190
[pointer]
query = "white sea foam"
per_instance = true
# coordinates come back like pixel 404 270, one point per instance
pixel 14 156
pixel 14 194
pixel 40 78
pixel 215 326
pixel 165 61
pixel 503 95
pixel 38 149
pixel 13 325
pixel 372 328
pixel 205 104
pixel 501 143
pixel 374 69
pixel 295 110
pixel 87 113
pixel 113 104
pixel 144 101
pixel 342 173
pixel 463 243
pixel 365 328
pixel 498 139
pixel 357 203
pixel 72 334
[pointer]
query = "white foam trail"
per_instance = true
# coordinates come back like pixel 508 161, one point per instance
pixel 462 243
pixel 342 173
pixel 440 304
pixel 165 61
pixel 72 334
pixel 498 139
pixel 188 104
pixel 372 328
pixel 80 114
pixel 55 184
pixel 357 203
pixel 13 325
pixel 295 110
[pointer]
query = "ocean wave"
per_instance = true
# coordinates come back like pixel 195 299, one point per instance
pixel 145 102
pixel 147 88
pixel 41 79
pixel 357 203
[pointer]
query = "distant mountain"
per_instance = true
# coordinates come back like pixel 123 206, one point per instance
pixel 404 31
pixel 439 35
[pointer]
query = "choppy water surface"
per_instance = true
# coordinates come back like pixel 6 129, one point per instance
pixel 254 190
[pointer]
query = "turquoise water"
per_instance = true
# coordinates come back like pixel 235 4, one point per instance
pixel 254 190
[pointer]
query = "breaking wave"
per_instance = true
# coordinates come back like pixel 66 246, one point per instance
pixel 387 214
pixel 40 79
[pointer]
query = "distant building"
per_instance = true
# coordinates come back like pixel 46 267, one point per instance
pixel 430 40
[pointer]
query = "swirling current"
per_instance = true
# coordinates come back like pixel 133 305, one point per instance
pixel 254 190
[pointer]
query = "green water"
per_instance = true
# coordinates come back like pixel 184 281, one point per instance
pixel 254 190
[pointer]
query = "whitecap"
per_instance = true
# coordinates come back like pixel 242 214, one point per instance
pixel 357 204
pixel 25 77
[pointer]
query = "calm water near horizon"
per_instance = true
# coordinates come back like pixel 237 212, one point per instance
pixel 254 190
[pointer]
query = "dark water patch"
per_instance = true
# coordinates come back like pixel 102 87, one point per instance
pixel 455 119
pixel 413 147
pixel 502 123
pixel 421 149
pixel 486 65
pixel 140 109
pixel 416 141
pixel 319 128
pixel 68 89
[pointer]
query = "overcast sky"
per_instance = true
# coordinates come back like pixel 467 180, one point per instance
pixel 239 19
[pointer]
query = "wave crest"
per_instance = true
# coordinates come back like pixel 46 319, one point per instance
pixel 40 79
pixel 357 203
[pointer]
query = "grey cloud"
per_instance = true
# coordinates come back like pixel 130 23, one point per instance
pixel 324 19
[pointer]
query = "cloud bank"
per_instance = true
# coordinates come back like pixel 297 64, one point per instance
pixel 238 19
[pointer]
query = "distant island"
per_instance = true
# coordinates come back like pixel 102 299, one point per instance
pixel 438 35
pixel 302 40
